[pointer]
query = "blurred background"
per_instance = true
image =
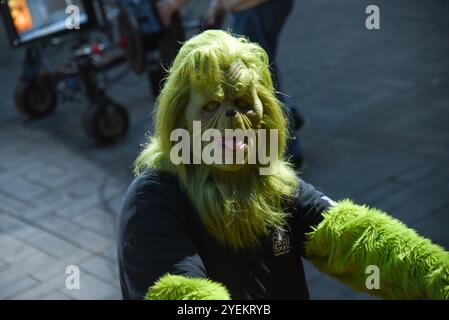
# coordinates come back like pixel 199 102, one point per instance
pixel 375 103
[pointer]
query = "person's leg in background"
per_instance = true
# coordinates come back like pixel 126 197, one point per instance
pixel 263 24
pixel 169 43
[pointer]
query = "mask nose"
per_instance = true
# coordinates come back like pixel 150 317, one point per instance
pixel 231 113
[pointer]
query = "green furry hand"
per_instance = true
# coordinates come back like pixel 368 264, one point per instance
pixel 173 287
pixel 353 237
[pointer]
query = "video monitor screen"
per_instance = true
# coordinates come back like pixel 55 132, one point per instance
pixel 34 19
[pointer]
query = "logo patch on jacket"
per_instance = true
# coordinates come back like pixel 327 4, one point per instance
pixel 281 241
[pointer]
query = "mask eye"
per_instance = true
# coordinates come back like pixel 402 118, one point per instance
pixel 212 106
pixel 242 104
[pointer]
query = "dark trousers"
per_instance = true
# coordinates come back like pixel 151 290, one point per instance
pixel 263 24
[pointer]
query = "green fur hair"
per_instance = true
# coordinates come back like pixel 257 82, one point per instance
pixel 201 63
pixel 353 237
pixel 174 287
pixel 236 208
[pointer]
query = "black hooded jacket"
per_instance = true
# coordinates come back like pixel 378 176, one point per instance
pixel 160 232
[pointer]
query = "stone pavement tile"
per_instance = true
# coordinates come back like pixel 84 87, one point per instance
pixel 30 165
pixel 86 186
pixel 385 176
pixel 78 207
pixel 90 241
pixel 91 289
pixel 414 117
pixel 116 295
pixel 13 250
pixel 326 287
pixel 436 152
pixel 419 199
pixel 37 212
pixel 103 200
pixel 76 162
pixel 54 246
pixel 32 264
pixel 50 203
pixel 98 185
pixel 9 276
pixel 74 233
pixel 412 202
pixel 25 135
pixel 427 202
pixel 99 221
pixel 56 295
pixel 377 194
pixel 22 190
pixel 61 227
pixel 310 271
pixel 109 156
pixel 418 172
pixel 116 202
pixel 55 284
pixel 338 161
pixel 435 226
pixel 14 206
pixel 3 265
pixel 21 256
pixel 17 287
pixel 13 280
pixel 323 286
pixel 102 268
pixel 377 176
pixel 110 253
pixel 16 227
pixel 59 266
pixel 13 157
pixel 51 176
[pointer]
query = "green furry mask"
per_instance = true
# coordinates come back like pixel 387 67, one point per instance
pixel 225 82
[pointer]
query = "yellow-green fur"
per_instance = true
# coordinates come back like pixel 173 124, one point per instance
pixel 345 243
pixel 173 287
pixel 352 237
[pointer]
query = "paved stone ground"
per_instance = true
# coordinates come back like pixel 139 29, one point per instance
pixel 378 102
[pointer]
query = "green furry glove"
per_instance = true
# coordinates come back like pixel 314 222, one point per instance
pixel 173 287
pixel 353 237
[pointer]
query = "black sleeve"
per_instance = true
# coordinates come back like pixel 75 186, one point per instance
pixel 306 208
pixel 154 238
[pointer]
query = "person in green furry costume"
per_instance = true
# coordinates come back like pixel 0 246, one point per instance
pixel 224 230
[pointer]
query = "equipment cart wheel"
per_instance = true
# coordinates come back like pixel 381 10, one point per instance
pixel 36 96
pixel 106 123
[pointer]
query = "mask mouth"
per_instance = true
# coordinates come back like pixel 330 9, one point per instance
pixel 233 143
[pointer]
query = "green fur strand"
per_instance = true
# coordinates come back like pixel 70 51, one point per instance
pixel 353 237
pixel 175 287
